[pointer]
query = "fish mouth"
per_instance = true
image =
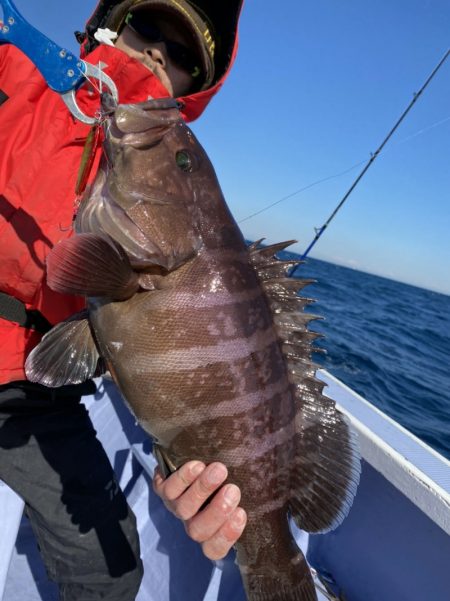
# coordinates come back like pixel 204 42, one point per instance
pixel 153 114
pixel 141 125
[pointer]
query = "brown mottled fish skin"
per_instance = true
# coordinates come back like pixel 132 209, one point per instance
pixel 203 372
pixel 199 351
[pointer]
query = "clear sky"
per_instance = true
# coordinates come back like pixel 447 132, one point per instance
pixel 316 87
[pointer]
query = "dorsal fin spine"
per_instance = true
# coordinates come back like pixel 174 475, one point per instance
pixel 326 470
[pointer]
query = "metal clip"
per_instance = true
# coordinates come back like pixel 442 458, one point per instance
pixel 61 69
pixel 90 72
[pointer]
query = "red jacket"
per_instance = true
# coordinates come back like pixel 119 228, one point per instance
pixel 40 152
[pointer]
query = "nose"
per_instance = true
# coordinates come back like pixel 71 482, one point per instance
pixel 157 52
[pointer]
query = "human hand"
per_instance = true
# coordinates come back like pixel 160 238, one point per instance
pixel 218 525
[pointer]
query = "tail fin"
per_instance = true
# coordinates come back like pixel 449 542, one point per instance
pixel 273 568
pixel 275 591
pixel 293 583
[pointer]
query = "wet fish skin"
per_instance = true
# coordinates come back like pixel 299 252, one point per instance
pixel 170 393
pixel 208 343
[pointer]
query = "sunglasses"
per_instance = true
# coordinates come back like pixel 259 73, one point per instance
pixel 181 55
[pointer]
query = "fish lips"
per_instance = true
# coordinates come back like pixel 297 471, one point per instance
pixel 142 118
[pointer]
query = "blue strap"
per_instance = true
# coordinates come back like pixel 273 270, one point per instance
pixel 62 70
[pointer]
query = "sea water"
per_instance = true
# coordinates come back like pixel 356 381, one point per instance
pixel 388 341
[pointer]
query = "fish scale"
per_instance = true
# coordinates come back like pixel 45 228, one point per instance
pixel 206 338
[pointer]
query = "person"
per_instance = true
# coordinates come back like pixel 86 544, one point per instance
pixel 49 453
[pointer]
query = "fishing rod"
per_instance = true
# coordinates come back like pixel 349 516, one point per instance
pixel 374 156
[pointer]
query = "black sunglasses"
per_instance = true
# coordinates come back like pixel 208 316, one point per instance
pixel 181 55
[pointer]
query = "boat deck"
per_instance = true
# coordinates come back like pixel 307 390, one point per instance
pixel 394 545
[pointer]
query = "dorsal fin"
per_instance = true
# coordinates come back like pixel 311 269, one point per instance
pixel 269 251
pixel 326 467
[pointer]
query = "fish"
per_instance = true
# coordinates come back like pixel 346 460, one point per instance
pixel 207 338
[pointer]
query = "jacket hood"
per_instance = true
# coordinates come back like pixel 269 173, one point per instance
pixel 223 15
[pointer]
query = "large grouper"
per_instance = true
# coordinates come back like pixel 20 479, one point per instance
pixel 206 338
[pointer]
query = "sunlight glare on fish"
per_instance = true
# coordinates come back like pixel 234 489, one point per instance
pixel 215 284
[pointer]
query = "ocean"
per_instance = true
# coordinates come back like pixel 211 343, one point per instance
pixel 388 341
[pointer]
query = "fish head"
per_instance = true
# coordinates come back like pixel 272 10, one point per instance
pixel 156 194
pixel 152 157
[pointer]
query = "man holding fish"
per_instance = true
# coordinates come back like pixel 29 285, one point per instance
pixel 48 450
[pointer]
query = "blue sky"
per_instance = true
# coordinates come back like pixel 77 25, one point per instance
pixel 316 87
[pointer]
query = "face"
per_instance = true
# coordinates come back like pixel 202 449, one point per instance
pixel 154 55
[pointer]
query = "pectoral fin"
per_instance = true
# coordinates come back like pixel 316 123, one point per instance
pixel 91 265
pixel 66 355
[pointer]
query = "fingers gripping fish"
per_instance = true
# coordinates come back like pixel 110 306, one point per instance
pixel 206 338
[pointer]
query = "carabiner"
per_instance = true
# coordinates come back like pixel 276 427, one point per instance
pixel 90 72
pixel 61 69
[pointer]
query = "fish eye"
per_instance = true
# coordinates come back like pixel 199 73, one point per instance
pixel 185 161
